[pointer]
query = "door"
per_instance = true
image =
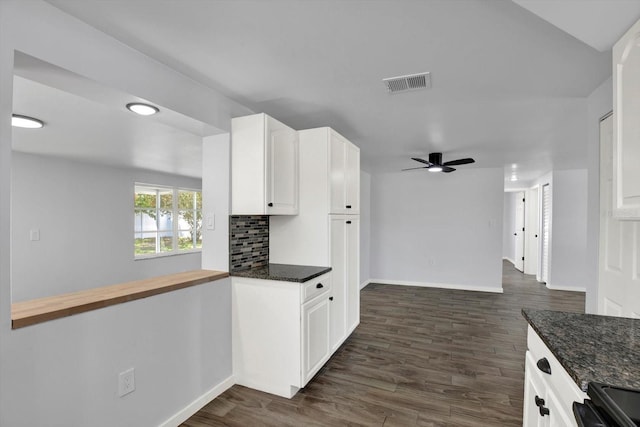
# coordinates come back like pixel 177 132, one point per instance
pixel 337 168
pixel 617 290
pixel 315 337
pixel 352 179
pixel 338 306
pixel 534 391
pixel 532 232
pixel 352 272
pixel 545 233
pixel 282 169
pixel 519 232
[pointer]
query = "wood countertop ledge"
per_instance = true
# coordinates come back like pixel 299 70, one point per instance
pixel 31 312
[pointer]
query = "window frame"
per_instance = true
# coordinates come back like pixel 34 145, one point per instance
pixel 175 220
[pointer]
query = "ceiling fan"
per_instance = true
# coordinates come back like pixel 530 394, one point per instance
pixel 434 164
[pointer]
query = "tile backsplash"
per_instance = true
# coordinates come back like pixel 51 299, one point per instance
pixel 248 241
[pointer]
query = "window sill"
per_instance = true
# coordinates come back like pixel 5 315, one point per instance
pixel 166 254
pixel 26 313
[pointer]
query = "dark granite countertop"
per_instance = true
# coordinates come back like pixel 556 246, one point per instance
pixel 591 347
pixel 283 272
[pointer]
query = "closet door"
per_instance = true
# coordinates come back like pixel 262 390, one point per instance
pixel 545 233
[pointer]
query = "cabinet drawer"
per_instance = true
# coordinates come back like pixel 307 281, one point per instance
pixel 559 381
pixel 316 287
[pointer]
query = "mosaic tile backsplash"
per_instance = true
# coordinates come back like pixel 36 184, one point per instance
pixel 248 242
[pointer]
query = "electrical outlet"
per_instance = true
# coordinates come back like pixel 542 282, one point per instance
pixel 126 382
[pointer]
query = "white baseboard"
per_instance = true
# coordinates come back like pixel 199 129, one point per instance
pixel 364 284
pixel 510 260
pixel 185 413
pixel 565 288
pixel 440 285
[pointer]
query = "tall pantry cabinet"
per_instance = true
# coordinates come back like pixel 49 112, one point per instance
pixel 327 229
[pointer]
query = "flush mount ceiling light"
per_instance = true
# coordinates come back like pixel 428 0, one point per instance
pixel 26 122
pixel 142 109
pixel 435 169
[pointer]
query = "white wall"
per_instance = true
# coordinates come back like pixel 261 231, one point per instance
pixel 365 227
pixel 64 372
pixel 84 213
pixel 508 226
pixel 569 230
pixel 438 229
pixel 599 103
pixel 216 164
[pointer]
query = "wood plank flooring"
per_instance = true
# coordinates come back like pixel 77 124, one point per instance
pixel 420 357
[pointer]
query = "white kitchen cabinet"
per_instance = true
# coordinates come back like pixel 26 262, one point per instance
pixel 344 175
pixel 318 237
pixel 264 167
pixel 548 397
pixel 315 336
pixel 345 308
pixel 280 332
pixel 534 390
pixel 626 129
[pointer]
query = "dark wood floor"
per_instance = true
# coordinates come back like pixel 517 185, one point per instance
pixel 420 357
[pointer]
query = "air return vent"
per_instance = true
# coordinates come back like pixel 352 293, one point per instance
pixel 408 82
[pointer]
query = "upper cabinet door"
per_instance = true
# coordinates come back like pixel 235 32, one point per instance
pixel 336 173
pixel 264 167
pixel 352 179
pixel 344 176
pixel 282 169
pixel 626 130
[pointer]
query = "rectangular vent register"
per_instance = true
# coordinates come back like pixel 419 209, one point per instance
pixel 408 82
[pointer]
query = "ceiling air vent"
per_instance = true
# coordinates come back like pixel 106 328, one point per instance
pixel 408 82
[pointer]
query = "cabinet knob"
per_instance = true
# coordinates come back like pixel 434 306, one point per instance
pixel 348 206
pixel 348 222
pixel 270 205
pixel 319 286
pixel 543 365
pixel 330 298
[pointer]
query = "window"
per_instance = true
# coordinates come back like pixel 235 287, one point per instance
pixel 167 220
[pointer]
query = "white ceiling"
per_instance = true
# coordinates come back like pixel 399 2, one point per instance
pixel 88 122
pixel 508 86
pixel 598 23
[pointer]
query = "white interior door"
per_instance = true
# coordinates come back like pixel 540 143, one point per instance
pixel 532 233
pixel 519 232
pixel 545 233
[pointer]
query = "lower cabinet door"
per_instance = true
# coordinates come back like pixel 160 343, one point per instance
pixel 338 281
pixel 535 396
pixel 315 336
pixel 559 417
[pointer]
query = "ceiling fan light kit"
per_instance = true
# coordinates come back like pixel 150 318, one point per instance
pixel 434 164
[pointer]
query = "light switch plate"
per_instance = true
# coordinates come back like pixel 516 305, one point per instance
pixel 34 235
pixel 126 382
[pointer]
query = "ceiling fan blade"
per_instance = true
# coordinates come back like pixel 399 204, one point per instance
pixel 459 162
pixel 421 161
pixel 447 169
pixel 421 167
